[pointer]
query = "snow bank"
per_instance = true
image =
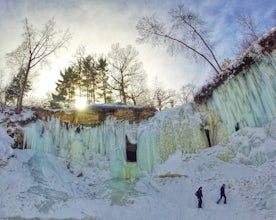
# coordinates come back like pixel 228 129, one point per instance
pixel 7 117
pixel 252 146
pixel 5 146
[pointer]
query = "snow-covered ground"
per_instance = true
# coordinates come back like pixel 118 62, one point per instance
pixel 41 186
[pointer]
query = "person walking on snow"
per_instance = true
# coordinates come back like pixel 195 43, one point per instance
pixel 199 196
pixel 222 194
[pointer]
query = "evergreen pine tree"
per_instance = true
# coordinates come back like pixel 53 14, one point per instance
pixel 66 89
pixel 12 91
pixel 90 78
pixel 104 90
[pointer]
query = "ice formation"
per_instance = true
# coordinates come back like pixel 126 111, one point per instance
pixel 249 98
pixel 156 139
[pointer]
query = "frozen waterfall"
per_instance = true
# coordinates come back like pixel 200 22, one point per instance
pixel 249 98
pixel 104 146
pixel 101 147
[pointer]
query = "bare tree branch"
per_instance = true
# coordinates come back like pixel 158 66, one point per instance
pixel 249 31
pixel 182 16
pixel 184 33
pixel 35 49
pixel 125 69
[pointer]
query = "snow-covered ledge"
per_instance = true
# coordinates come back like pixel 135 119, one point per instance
pixel 96 114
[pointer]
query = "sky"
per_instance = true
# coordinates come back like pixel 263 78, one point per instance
pixel 97 24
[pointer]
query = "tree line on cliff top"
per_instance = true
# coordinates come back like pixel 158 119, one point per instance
pixel 119 76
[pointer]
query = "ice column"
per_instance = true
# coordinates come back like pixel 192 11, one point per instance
pixel 249 98
pixel 147 151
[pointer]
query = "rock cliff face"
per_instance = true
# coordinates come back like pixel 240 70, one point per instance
pixel 90 117
pixel 96 115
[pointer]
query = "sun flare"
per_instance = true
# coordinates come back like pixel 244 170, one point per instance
pixel 80 103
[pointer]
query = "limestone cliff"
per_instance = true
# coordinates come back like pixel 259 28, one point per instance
pixel 96 114
pixel 92 116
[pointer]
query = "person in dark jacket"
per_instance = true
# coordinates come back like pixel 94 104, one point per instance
pixel 222 194
pixel 199 196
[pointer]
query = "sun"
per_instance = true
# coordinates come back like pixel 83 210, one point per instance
pixel 80 103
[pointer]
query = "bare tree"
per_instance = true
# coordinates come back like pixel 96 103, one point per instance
pixel 161 96
pixel 249 30
pixel 38 101
pixel 185 33
pixel 125 69
pixel 187 93
pixel 138 90
pixel 36 47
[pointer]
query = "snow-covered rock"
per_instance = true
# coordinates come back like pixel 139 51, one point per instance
pixel 5 146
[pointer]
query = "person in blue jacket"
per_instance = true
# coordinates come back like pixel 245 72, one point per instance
pixel 199 196
pixel 222 194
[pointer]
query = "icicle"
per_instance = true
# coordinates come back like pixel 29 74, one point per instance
pixel 147 151
pixel 248 99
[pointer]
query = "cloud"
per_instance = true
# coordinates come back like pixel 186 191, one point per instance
pixel 98 24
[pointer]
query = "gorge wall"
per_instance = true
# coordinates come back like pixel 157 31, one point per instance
pixel 105 145
pixel 98 137
pixel 245 93
pixel 96 114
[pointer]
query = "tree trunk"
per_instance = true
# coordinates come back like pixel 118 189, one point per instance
pixel 22 89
